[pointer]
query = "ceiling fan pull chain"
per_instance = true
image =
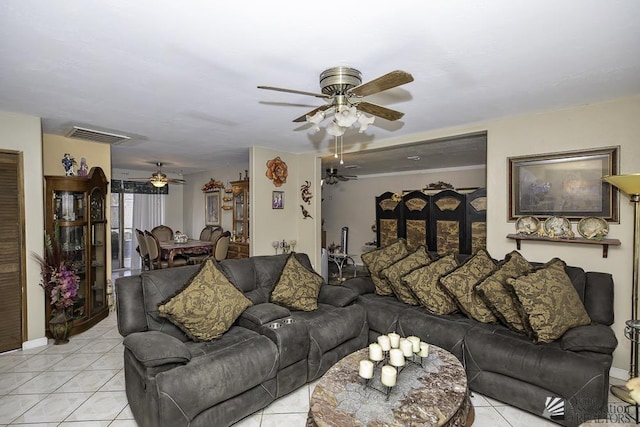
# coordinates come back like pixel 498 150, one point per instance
pixel 335 155
pixel 341 150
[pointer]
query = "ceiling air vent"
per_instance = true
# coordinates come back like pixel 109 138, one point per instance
pixel 96 135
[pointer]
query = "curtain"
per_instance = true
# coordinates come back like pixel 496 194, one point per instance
pixel 148 212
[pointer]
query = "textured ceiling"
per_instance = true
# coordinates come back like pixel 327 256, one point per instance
pixel 180 77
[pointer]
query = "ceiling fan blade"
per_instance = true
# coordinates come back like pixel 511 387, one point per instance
pixel 388 81
pixel 300 92
pixel 380 111
pixel 303 118
pixel 176 181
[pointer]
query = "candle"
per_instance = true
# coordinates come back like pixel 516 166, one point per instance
pixel 383 340
pixel 366 369
pixel 388 375
pixel 407 347
pixel 415 341
pixel 375 352
pixel 394 340
pixel 424 349
pixel 396 358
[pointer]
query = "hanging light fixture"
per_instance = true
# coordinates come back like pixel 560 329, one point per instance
pixel 344 117
pixel 158 180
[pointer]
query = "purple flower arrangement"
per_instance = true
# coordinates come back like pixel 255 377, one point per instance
pixel 63 284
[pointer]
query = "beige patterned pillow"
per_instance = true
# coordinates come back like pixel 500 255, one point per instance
pixel 206 307
pixel 393 274
pixel 298 287
pixel 493 292
pixel 381 258
pixel 548 302
pixel 423 282
pixel 460 283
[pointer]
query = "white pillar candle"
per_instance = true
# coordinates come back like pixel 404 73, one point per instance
pixel 383 340
pixel 415 341
pixel 375 352
pixel 396 358
pixel 366 369
pixel 388 375
pixel 394 339
pixel 424 349
pixel 407 347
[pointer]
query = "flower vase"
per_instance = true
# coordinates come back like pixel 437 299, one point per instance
pixel 60 327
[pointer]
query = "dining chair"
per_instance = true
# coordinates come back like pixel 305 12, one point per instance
pixel 142 249
pixel 164 233
pixel 222 246
pixel 153 245
pixel 215 234
pixel 207 232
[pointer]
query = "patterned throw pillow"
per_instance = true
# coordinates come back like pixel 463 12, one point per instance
pixel 493 292
pixel 206 307
pixel 460 283
pixel 423 282
pixel 298 287
pixel 548 302
pixel 393 274
pixel 381 258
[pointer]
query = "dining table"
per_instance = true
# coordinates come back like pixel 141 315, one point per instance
pixel 172 248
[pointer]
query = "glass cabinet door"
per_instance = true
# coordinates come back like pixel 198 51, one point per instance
pixel 98 252
pixel 68 206
pixel 72 241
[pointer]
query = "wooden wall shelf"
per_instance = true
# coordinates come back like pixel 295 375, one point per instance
pixel 605 243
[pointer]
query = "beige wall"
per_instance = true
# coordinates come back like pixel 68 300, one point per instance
pixel 54 148
pixel 23 134
pixel 276 224
pixel 590 126
pixel 352 203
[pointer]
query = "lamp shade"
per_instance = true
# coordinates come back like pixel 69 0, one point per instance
pixel 629 183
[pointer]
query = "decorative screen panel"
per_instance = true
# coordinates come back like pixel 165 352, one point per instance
pixel 448 236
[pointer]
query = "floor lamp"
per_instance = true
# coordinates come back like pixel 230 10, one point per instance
pixel 630 184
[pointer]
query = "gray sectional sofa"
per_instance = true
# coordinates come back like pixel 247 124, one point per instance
pixel 271 350
pixel 508 366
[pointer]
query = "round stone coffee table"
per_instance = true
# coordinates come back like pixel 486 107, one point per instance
pixel 434 394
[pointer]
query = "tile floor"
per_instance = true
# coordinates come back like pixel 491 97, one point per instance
pixel 82 384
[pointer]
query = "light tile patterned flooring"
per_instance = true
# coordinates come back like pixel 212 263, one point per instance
pixel 82 384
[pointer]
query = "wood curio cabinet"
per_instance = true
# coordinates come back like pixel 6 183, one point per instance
pixel 75 216
pixel 239 246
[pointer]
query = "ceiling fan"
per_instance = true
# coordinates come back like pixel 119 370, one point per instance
pixel 333 177
pixel 159 179
pixel 344 91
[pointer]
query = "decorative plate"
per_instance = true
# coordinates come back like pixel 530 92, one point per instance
pixel 527 225
pixel 558 226
pixel 593 228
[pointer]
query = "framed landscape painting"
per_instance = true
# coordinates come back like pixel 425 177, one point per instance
pixel 212 208
pixel 565 184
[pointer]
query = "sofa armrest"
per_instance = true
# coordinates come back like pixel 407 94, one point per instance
pixel 337 296
pixel 362 285
pixel 154 348
pixel 595 337
pixel 261 314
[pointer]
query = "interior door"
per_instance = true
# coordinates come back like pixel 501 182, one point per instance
pixel 12 253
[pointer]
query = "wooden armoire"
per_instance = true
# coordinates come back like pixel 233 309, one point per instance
pixel 445 222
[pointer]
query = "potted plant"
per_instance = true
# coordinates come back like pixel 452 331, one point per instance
pixel 60 281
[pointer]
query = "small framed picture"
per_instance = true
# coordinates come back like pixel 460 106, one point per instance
pixel 212 208
pixel 277 199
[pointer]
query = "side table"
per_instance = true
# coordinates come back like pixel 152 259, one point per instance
pixel 341 259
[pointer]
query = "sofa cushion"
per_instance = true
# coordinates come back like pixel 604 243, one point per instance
pixel 206 306
pixel 393 273
pixel 596 338
pixel 298 287
pixel 460 285
pixel 423 282
pixel 547 302
pixel 381 258
pixel 496 297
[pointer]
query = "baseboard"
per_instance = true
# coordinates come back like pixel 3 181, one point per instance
pixel 618 373
pixel 39 342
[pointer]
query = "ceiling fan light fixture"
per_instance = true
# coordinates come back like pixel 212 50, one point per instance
pixel 365 122
pixel 315 119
